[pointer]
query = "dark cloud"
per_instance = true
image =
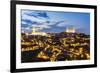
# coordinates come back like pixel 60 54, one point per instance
pixel 38 14
pixel 31 14
pixel 29 21
pixel 58 22
pixel 43 14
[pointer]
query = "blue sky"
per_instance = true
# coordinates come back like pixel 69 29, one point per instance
pixel 52 21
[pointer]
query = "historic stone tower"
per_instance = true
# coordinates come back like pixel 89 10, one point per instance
pixel 70 30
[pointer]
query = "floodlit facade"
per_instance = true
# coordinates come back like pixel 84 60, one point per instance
pixel 36 32
pixel 70 30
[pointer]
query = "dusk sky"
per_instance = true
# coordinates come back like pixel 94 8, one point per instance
pixel 52 21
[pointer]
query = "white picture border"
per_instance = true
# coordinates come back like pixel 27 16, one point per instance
pixel 20 65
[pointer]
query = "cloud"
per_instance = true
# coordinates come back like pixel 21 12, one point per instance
pixel 58 23
pixel 44 26
pixel 37 19
pixel 32 19
pixel 23 22
pixel 62 23
pixel 31 14
pixel 26 29
pixel 43 14
pixel 41 20
pixel 37 14
pixel 27 21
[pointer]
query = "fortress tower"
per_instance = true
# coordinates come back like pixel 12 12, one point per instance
pixel 36 32
pixel 70 30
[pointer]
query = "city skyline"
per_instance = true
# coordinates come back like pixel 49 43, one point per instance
pixel 52 21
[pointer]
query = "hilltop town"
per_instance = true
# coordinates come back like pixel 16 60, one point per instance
pixel 63 46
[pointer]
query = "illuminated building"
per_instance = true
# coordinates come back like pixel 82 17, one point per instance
pixel 70 30
pixel 36 32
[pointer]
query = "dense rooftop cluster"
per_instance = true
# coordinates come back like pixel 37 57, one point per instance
pixel 55 47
